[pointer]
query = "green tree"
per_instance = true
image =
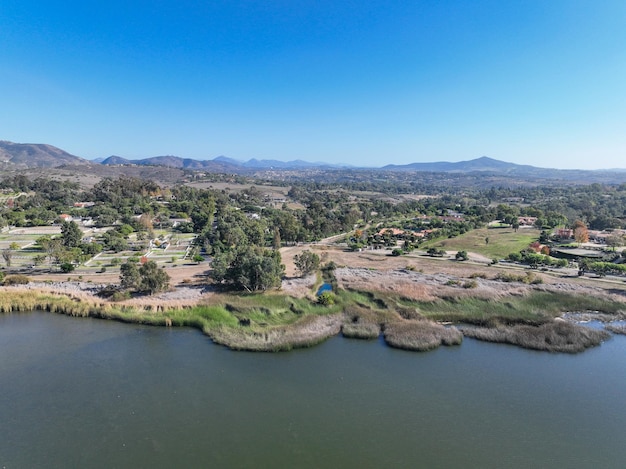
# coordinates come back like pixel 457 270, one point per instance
pixel 249 268
pixel 461 256
pixel 71 234
pixel 276 242
pixel 306 262
pixel 614 241
pixel 153 279
pixel 129 276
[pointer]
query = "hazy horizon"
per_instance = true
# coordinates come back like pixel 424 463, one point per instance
pixel 537 83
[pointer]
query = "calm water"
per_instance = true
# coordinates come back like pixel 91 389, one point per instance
pixel 89 393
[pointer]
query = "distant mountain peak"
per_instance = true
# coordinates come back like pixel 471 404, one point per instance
pixel 36 155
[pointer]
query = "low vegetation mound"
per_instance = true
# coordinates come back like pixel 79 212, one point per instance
pixel 553 336
pixel 616 328
pixel 361 323
pixel 361 330
pixel 421 336
pixel 306 332
pixel 16 279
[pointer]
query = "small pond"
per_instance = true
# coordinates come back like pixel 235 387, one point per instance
pixel 325 287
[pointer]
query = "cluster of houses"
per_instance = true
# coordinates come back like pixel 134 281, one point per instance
pixel 597 236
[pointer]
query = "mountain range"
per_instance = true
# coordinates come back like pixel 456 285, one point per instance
pixel 27 155
pixel 221 163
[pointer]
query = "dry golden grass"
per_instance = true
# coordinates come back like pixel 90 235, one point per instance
pixel 308 331
pixel 554 336
pixel 421 335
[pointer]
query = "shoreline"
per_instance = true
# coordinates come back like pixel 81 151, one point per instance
pixel 412 310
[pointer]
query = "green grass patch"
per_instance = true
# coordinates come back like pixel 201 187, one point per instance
pixel 534 308
pixel 502 241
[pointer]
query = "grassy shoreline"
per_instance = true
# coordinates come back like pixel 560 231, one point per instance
pixel 276 322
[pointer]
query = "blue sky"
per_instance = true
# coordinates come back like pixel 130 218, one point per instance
pixel 365 83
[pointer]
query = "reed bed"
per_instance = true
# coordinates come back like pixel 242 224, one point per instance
pixel 534 308
pixel 421 335
pixel 361 322
pixel 308 331
pixel 276 322
pixel 360 330
pixel 555 336
pixel 616 328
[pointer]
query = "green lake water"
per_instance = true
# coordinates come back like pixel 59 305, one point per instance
pixel 93 393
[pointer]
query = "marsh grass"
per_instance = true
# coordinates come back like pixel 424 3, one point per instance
pixel 362 322
pixel 275 322
pixel 420 336
pixel 360 330
pixel 554 336
pixel 532 308
pixel 306 332
pixel 616 328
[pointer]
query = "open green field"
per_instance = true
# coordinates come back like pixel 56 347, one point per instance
pixel 502 241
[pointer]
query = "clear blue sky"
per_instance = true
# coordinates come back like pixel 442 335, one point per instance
pixel 539 82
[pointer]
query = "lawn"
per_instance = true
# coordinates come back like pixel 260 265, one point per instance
pixel 502 241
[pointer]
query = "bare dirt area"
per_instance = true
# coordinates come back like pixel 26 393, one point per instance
pixel 421 277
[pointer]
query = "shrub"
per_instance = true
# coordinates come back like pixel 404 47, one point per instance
pixel 396 252
pixel 67 267
pixel 120 296
pixel 470 284
pixel 17 279
pixel 478 275
pixel 461 256
pixel 434 252
pixel 515 257
pixel 326 299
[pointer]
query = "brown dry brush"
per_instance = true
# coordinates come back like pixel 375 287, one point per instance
pixel 420 335
pixel 553 336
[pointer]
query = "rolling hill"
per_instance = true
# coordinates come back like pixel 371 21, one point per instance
pixel 35 155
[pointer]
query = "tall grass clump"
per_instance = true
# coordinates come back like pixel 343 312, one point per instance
pixel 554 336
pixel 360 323
pixel 616 328
pixel 306 332
pixel 360 330
pixel 16 279
pixel 420 336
